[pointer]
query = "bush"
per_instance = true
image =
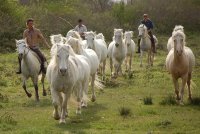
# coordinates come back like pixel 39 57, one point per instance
pixel 148 100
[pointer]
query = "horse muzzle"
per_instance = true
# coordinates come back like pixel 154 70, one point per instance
pixel 20 56
pixel 116 44
pixel 63 71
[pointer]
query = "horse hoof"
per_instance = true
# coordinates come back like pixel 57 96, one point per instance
pixel 56 116
pixel 44 93
pixel 29 95
pixel 93 99
pixel 62 121
pixel 83 104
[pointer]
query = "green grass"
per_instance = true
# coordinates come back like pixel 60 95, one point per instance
pixel 21 115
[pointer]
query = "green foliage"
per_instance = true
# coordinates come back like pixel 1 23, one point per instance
pixel 148 100
pixel 124 111
pixel 195 101
pixel 169 100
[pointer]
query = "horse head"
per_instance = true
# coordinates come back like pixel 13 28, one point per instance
pixel 62 58
pixel 21 47
pixel 56 39
pixel 118 36
pixel 128 37
pixel 142 29
pixel 90 37
pixel 73 33
pixel 179 42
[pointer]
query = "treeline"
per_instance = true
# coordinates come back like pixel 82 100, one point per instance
pixel 54 16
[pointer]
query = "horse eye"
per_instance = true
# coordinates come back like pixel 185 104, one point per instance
pixel 58 56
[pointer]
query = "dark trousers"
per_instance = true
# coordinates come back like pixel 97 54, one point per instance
pixel 39 53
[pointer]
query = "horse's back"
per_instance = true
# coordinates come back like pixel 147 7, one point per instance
pixel 101 49
pixel 93 60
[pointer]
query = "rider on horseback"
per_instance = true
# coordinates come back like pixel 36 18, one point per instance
pixel 33 36
pixel 148 23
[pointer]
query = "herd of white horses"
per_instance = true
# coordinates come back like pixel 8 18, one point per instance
pixel 76 62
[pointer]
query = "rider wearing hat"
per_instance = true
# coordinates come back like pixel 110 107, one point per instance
pixel 148 23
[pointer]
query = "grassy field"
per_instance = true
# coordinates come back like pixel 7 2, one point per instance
pixel 142 104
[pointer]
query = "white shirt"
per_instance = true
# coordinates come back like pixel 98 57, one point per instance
pixel 80 29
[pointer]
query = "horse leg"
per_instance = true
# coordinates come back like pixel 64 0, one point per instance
pixel 130 63
pixel 43 88
pixel 111 66
pixel 64 107
pixel 92 85
pixel 79 95
pixel 56 96
pixel 184 80
pixel 126 64
pixel 116 70
pixel 188 84
pixel 141 55
pixel 24 87
pixel 35 82
pixel 103 69
pixel 176 86
pixel 152 59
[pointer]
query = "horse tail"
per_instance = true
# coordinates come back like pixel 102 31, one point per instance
pixel 98 83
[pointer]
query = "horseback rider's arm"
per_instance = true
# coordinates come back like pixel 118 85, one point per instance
pixel 44 40
pixel 150 26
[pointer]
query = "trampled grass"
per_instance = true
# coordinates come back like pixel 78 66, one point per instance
pixel 19 114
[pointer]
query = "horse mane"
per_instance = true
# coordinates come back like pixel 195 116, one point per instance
pixel 179 27
pixel 54 37
pixel 128 32
pixel 73 33
pixel 74 41
pixel 179 33
pixel 100 36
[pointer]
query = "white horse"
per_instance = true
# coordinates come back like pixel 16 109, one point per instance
pixel 170 43
pixel 30 66
pixel 179 63
pixel 117 52
pixel 100 47
pixel 93 62
pixel 130 46
pixel 66 72
pixel 100 36
pixel 75 34
pixel 145 44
